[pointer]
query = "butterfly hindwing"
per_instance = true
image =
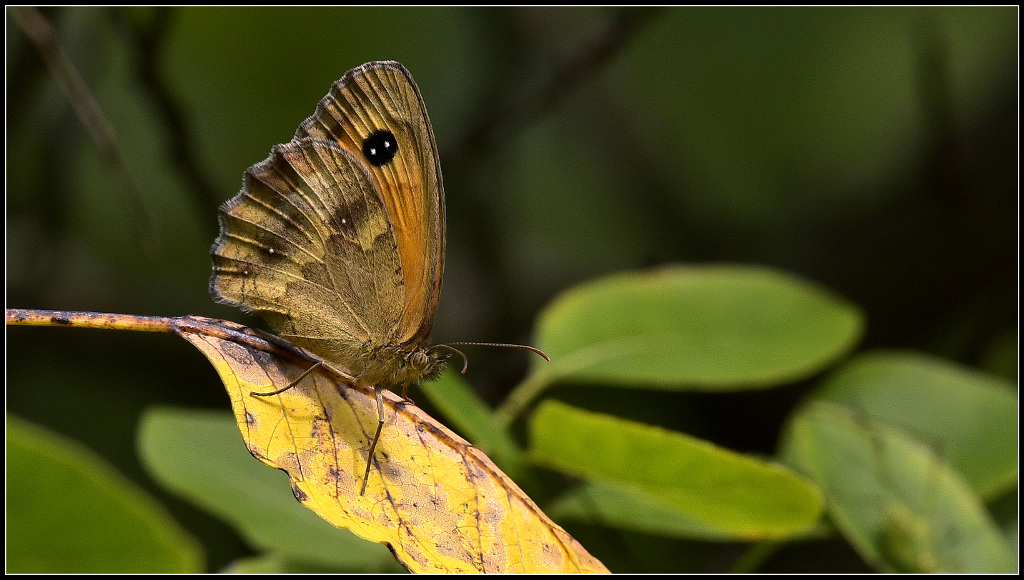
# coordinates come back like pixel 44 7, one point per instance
pixel 307 245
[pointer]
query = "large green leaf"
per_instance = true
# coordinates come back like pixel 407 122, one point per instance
pixel 704 327
pixel 968 417
pixel 899 505
pixel 200 455
pixel 68 511
pixel 656 480
pixel 713 328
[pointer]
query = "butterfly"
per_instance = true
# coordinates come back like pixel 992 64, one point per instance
pixel 337 238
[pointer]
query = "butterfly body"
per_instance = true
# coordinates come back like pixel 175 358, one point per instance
pixel 337 238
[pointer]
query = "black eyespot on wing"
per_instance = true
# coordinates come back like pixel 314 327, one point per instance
pixel 380 147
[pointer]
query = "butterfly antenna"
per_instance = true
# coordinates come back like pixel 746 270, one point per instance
pixel 500 344
pixel 532 349
pixel 465 359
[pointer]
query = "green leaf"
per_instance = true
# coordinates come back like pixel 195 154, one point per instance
pixel 1001 357
pixel 703 327
pixel 969 417
pixel 900 506
pixel 68 511
pixel 711 328
pixel 200 456
pixel 274 563
pixel 671 482
pixel 471 416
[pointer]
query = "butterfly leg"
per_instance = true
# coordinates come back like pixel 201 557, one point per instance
pixel 341 374
pixel 376 436
pixel 289 385
pixel 320 364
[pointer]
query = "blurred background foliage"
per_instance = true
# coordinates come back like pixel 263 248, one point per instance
pixel 873 151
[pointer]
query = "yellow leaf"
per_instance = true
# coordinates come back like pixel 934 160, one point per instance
pixel 440 503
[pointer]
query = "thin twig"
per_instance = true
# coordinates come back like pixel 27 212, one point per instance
pixel 502 122
pixel 101 131
pixel 524 110
pixel 145 43
pixel 223 329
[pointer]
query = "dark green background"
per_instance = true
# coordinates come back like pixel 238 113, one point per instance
pixel 873 151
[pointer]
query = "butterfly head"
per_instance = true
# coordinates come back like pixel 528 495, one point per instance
pixel 390 365
pixel 427 363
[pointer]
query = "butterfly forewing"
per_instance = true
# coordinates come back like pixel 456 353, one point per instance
pixel 381 96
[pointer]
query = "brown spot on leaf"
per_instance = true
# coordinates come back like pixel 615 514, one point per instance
pixel 299 494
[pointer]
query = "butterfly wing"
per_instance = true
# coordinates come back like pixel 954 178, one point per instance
pixel 382 96
pixel 307 245
pixel 333 250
